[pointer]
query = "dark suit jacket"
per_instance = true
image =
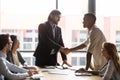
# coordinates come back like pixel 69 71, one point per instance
pixel 10 58
pixel 46 43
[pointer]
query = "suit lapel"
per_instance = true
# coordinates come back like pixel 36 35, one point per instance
pixel 50 32
pixel 56 34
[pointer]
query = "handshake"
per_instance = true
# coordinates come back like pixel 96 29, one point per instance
pixel 65 50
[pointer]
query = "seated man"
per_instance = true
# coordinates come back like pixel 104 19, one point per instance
pixel 6 67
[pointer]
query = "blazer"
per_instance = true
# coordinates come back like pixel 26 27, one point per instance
pixel 46 43
pixel 10 58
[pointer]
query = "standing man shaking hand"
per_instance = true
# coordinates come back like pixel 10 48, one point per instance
pixel 50 42
pixel 93 42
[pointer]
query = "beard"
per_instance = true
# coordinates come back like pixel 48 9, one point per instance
pixel 54 21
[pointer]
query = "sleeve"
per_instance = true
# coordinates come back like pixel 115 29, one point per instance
pixel 64 57
pixel 87 41
pixel 93 39
pixel 109 70
pixel 6 67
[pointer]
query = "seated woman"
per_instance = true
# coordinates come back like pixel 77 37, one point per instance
pixel 111 70
pixel 14 56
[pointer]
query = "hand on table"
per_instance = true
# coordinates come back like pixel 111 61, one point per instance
pixel 66 63
pixel 81 70
pixel 32 71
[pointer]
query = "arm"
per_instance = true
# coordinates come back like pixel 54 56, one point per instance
pixel 93 72
pixel 82 70
pixel 4 69
pixel 109 71
pixel 78 47
pixel 68 50
pixel 88 60
pixel 81 46
pixel 64 57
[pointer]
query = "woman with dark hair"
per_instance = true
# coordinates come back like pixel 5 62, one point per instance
pixel 111 70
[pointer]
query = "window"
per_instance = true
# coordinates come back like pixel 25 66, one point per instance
pixel 78 58
pixel 27 40
pixel 78 37
pixel 74 61
pixel 118 40
pixel 24 20
pixel 82 61
pixel 27 46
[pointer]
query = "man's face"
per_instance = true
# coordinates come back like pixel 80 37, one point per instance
pixel 56 19
pixel 9 45
pixel 85 22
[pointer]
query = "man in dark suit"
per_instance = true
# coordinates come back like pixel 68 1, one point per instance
pixel 50 42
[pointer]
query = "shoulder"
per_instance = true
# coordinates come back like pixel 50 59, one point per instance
pixel 44 25
pixel 96 30
pixel 111 63
pixel 58 27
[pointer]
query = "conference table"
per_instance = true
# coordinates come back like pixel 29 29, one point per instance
pixel 64 74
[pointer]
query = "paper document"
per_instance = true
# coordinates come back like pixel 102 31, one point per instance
pixel 83 74
pixel 35 76
pixel 50 67
pixel 58 71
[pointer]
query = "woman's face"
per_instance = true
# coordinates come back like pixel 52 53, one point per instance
pixel 104 53
pixel 17 43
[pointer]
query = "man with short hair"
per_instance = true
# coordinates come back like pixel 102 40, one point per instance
pixel 94 43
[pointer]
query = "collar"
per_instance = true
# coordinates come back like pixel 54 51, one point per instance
pixel 3 55
pixel 53 25
pixel 89 31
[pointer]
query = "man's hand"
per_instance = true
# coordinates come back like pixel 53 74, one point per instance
pixel 32 71
pixel 81 70
pixel 65 62
pixel 65 50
